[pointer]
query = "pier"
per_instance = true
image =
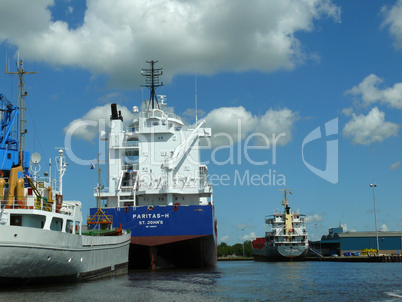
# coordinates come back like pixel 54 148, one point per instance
pixel 388 258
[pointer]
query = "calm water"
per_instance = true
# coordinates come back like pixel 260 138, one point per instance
pixel 234 281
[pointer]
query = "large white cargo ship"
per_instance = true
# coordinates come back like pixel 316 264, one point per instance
pixel 157 186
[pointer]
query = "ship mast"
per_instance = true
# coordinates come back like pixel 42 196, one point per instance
pixel 22 93
pixel 152 82
pixel 100 219
pixel 285 201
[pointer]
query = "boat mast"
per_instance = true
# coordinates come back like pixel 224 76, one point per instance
pixel 22 93
pixel 61 169
pixel 100 219
pixel 152 82
pixel 98 198
pixel 285 201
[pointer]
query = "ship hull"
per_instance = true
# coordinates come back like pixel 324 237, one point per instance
pixel 280 253
pixel 30 255
pixel 169 236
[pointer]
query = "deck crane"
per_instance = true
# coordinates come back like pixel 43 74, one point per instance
pixel 9 146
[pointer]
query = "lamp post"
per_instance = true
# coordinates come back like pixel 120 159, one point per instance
pixel 316 224
pixel 242 237
pixel 375 217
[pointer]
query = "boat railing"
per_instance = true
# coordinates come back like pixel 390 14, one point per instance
pixel 41 204
pixel 133 129
pixel 132 166
pixel 159 114
pixel 130 144
pixel 103 190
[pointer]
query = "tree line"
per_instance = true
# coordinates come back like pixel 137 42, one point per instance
pixel 225 250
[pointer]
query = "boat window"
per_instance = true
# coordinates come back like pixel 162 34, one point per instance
pixel 28 220
pixel 56 224
pixel 77 227
pixel 16 220
pixel 69 226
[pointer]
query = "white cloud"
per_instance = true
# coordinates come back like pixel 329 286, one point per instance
pixel 224 239
pixel 392 18
pixel 395 166
pixel 370 92
pixel 345 228
pixel 383 228
pixel 250 237
pixel 371 128
pixel 230 124
pixel 99 115
pixel 347 111
pixel 277 122
pixel 314 218
pixel 233 124
pixel 69 10
pixel 207 37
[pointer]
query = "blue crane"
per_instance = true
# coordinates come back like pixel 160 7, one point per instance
pixel 9 146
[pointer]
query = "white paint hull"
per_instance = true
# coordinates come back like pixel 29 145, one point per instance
pixel 29 253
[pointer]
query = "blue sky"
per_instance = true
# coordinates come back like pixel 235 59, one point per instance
pixel 273 67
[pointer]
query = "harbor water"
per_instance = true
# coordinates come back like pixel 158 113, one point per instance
pixel 233 281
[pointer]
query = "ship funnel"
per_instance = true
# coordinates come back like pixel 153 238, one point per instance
pixel 114 115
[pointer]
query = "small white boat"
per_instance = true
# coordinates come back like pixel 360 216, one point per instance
pixel 41 236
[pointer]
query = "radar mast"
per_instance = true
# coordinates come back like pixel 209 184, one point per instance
pixel 152 82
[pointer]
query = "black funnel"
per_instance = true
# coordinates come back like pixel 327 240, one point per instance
pixel 114 115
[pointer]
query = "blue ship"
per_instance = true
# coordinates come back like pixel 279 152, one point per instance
pixel 157 186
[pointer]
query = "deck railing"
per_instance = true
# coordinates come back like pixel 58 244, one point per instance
pixel 41 204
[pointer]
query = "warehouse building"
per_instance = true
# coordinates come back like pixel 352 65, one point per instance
pixel 338 242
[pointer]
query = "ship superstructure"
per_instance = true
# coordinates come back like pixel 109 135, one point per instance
pixel 285 238
pixel 156 185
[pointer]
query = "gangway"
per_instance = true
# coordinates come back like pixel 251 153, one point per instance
pixel 315 252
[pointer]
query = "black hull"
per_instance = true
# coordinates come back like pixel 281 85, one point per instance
pixel 278 258
pixel 281 253
pixel 192 253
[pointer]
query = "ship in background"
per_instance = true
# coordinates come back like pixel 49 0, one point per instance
pixel 285 236
pixel 157 187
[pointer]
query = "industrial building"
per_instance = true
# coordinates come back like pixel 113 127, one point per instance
pixel 339 242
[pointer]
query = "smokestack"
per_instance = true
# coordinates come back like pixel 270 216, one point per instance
pixel 114 115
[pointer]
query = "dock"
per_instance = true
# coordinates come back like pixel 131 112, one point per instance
pixel 384 258
pixel 236 259
pixel 387 258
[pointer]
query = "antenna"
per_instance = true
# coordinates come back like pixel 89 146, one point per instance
pixel 152 82
pixel 35 167
pixel 21 73
pixel 196 113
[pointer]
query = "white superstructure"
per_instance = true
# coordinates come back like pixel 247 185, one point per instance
pixel 286 236
pixel 155 161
